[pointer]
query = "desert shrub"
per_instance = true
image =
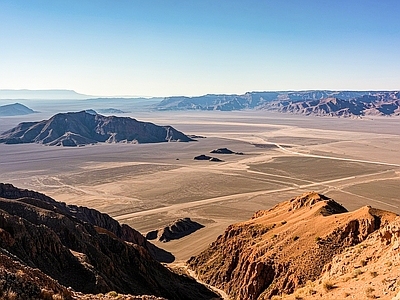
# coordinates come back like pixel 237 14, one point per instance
pixel 9 295
pixel 357 272
pixel 363 263
pixel 112 294
pixel 327 285
pixel 373 273
pixel 295 238
pixel 369 292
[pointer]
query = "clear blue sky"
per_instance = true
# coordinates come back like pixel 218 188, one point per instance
pixel 162 48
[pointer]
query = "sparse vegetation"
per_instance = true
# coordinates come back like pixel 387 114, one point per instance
pixel 9 295
pixel 327 285
pixel 363 263
pixel 318 238
pixel 357 272
pixel 112 294
pixel 373 274
pixel 369 293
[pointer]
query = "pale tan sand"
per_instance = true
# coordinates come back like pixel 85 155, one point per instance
pixel 148 186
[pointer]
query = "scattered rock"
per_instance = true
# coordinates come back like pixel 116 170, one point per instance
pixel 202 157
pixel 206 157
pixel 215 159
pixel 222 151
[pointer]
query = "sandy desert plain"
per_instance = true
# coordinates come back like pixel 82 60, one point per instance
pixel 354 161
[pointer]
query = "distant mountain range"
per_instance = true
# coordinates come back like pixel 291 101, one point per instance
pixel 16 109
pixel 323 102
pixel 82 128
pixel 42 94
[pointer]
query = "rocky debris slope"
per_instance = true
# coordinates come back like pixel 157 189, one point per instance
pixel 82 128
pixel 281 249
pixel 369 270
pixel 66 245
pixel 176 230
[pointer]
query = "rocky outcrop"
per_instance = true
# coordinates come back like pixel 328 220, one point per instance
pixel 280 249
pixel 82 128
pixel 176 230
pixel 71 246
pixel 206 157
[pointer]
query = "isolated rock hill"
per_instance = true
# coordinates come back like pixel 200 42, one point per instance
pixel 281 249
pixel 16 109
pixel 206 157
pixel 318 102
pixel 176 230
pixel 82 128
pixel 81 248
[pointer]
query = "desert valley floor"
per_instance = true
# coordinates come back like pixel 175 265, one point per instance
pixel 354 161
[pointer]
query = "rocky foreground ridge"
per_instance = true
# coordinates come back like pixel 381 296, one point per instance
pixel 47 246
pixel 83 128
pixel 294 249
pixel 314 102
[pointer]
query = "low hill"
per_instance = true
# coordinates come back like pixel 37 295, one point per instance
pixel 48 245
pixel 16 109
pixel 279 250
pixel 82 128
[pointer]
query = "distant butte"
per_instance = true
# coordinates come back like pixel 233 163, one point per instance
pixel 82 128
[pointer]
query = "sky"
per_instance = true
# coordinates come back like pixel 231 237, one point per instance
pixel 185 47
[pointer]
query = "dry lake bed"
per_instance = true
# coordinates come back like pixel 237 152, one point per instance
pixel 354 161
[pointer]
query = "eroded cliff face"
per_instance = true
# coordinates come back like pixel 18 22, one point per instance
pixel 84 249
pixel 280 249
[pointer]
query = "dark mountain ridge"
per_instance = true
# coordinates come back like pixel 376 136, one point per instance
pixel 82 128
pixel 83 249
